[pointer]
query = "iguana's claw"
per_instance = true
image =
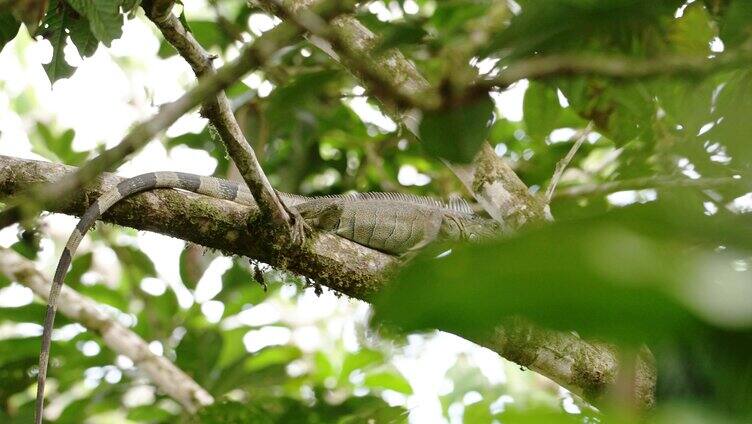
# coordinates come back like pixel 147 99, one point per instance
pixel 298 228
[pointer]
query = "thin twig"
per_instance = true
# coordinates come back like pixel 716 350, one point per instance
pixel 586 190
pixel 564 162
pixel 164 374
pixel 619 67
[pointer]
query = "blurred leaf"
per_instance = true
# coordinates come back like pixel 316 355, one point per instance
pixel 135 265
pixel 400 34
pixel 692 33
pixel 16 349
pixel 273 355
pixel 130 5
pixel 150 414
pixel 193 264
pixel 388 380
pixel 626 277
pixel 230 412
pixel 198 352
pixel 626 25
pixel 477 413
pixel 542 415
pixel 360 359
pixel 80 265
pixel 457 133
pixel 451 16
pixel 209 34
pixel 736 26
pixel 103 294
pixel 30 12
pixel 104 17
pixel 8 28
pixel 541 110
pixel 26 249
pixel 296 94
pixel 57 147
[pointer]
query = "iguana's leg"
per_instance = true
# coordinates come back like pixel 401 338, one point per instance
pixel 430 234
pixel 299 228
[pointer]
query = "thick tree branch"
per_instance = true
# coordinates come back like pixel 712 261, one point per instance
pixel 163 373
pixel 490 180
pixel 585 368
pixel 338 263
pixel 595 189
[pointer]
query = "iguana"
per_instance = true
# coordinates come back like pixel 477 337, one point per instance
pixel 393 223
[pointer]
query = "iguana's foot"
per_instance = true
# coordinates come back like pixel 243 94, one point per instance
pixel 299 228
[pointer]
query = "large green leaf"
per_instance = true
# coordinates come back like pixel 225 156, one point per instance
pixel 631 276
pixel 456 133
pixel 104 17
pixel 82 37
pixel 8 28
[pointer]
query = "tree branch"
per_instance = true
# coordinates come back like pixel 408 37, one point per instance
pixel 340 264
pixel 541 67
pixel 44 197
pixel 488 178
pixel 594 189
pixel 163 373
pixel 585 368
pixel 561 166
pixel 219 112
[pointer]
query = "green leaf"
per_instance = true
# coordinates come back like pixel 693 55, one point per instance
pixel 193 264
pixel 401 33
pixel 136 265
pixel 53 29
pixel 80 265
pixel 83 39
pixel 736 27
pixel 198 352
pixel 104 17
pixel 388 380
pixel 230 412
pixel 359 360
pixel 273 355
pixel 692 33
pixel 130 6
pixel 477 413
pixel 57 147
pixel 541 110
pixel 150 414
pixel 209 34
pixel 8 28
pixel 457 133
pixel 627 276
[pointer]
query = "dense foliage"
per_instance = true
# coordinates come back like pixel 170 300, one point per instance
pixel 645 254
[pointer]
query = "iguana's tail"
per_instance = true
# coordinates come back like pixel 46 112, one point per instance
pixel 209 186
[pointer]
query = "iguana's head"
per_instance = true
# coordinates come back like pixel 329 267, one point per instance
pixel 463 227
